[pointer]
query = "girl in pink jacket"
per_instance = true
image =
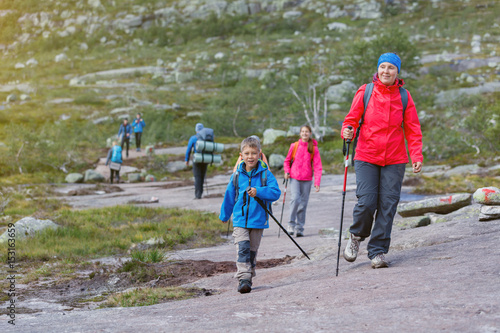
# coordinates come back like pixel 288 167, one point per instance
pixel 301 161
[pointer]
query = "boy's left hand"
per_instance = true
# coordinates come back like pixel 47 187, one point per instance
pixel 252 192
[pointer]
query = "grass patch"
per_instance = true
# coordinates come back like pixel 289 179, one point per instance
pixel 150 296
pixel 454 184
pixel 110 231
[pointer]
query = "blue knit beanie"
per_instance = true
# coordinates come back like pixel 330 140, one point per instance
pixel 198 127
pixel 392 58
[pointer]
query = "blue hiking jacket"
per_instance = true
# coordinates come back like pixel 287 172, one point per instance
pixel 138 125
pixel 191 145
pixel 247 213
pixel 124 130
pixel 115 155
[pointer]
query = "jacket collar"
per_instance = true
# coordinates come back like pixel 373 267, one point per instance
pixel 397 84
pixel 261 166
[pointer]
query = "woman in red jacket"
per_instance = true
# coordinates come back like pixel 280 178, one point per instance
pixel 381 157
pixel 301 162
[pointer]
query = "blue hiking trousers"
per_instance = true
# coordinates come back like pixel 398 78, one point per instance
pixel 378 192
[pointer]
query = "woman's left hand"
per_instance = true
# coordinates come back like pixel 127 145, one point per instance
pixel 316 187
pixel 417 167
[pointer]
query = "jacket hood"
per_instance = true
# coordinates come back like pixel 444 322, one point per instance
pixel 398 83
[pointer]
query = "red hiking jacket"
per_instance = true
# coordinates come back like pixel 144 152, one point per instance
pixel 382 140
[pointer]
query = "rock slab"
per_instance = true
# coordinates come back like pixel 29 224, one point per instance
pixel 487 196
pixel 440 205
pixel 489 213
pixel 73 178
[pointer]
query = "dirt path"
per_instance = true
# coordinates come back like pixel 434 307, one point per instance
pixel 443 277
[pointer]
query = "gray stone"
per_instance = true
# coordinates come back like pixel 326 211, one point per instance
pixel 11 98
pixel 116 74
pixel 238 7
pixel 150 178
pixel 441 205
pixel 28 227
pixel 489 213
pixel 25 97
pixel 126 169
pixel 101 120
pixel 150 150
pixel 276 161
pixel 448 97
pixel 487 196
pixel 181 77
pixel 270 135
pixel 468 212
pixel 337 26
pixel 150 243
pixel 134 177
pixel 414 222
pixel 176 166
pixel 74 178
pixel 94 3
pixel 342 92
pixel 462 170
pixel 293 14
pixel 93 176
pixel 60 57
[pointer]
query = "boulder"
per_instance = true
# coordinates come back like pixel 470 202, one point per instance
pixel 469 212
pixel 93 176
pixel 414 222
pixel 11 98
pixel 60 57
pixel 270 135
pixel 134 177
pixel 489 213
pixel 150 178
pixel 468 169
pixel 28 227
pixel 74 178
pixel 487 196
pixel 337 26
pixel 276 161
pixel 150 243
pixel 342 92
pixel 440 205
pixel 176 166
pixel 25 97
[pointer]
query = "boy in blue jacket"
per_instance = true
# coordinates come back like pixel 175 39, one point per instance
pixel 252 179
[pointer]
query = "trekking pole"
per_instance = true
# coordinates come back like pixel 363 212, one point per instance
pixel 285 181
pixel 346 153
pixel 263 205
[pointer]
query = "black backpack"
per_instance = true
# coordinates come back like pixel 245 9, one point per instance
pixel 366 98
pixel 206 134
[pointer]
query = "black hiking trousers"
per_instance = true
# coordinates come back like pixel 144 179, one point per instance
pixel 378 191
pixel 125 140
pixel 113 174
pixel 138 136
pixel 199 172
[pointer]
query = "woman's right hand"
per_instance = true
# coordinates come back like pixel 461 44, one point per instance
pixel 348 133
pixel 287 175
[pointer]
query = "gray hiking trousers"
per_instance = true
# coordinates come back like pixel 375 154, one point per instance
pixel 378 191
pixel 298 205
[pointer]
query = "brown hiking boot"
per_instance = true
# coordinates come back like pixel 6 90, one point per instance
pixel 245 286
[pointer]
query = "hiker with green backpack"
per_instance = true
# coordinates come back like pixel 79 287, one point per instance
pixel 382 116
pixel 301 163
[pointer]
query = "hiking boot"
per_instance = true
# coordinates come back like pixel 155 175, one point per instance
pixel 290 231
pixel 245 286
pixel 352 248
pixel 379 261
pixel 300 234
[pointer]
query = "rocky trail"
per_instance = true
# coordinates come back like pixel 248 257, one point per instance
pixel 442 277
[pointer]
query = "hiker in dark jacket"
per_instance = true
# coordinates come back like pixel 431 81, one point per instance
pixel 381 157
pixel 138 126
pixel 199 169
pixel 124 134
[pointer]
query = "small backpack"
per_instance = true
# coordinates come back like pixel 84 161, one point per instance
pixel 366 98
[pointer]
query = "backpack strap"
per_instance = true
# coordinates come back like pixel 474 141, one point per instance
pixel 294 152
pixel 404 99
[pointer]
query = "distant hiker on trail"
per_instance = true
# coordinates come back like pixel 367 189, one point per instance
pixel 301 162
pixel 114 160
pixel 199 169
pixel 388 117
pixel 124 134
pixel 138 126
pixel 262 156
pixel 249 218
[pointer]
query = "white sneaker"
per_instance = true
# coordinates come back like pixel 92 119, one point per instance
pixel 290 230
pixel 352 248
pixel 379 261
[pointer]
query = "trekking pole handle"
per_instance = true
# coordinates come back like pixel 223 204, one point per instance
pixel 349 128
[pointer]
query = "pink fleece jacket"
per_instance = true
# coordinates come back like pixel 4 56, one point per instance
pixel 301 168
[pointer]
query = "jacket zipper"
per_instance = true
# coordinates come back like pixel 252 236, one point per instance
pixel 248 204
